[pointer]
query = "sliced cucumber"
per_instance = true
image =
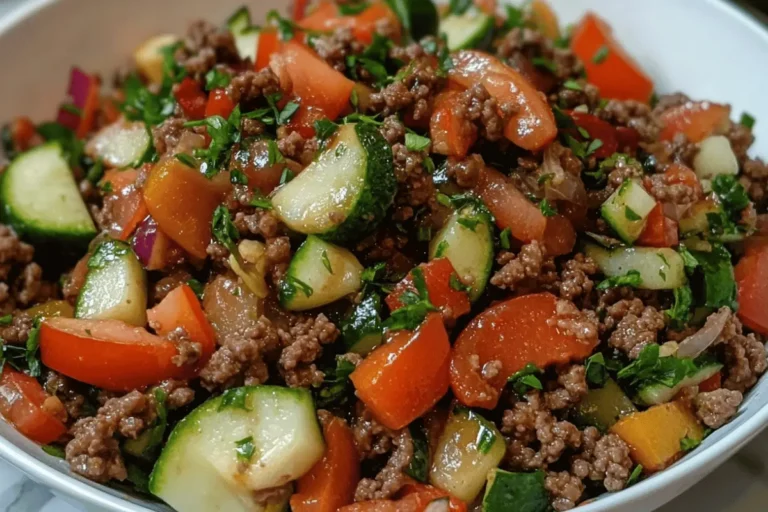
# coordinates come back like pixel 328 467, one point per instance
pixel 627 209
pixel 121 144
pixel 473 29
pixel 603 407
pixel 199 469
pixel 41 200
pixel 467 241
pixel 418 17
pixel 660 394
pixel 319 273
pixel 362 330
pixel 516 491
pixel 696 221
pixel 346 191
pixel 659 268
pixel 115 286
pixel 468 448
pixel 715 157
pixel 245 34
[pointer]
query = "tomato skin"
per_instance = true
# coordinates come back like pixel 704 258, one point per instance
pixel 751 273
pixel 331 483
pixel 414 498
pixel 128 207
pixel 437 276
pixel 451 135
pixel 326 18
pixel 660 230
pixel 711 384
pixel 219 104
pixel 191 98
pixel 597 129
pixel 108 354
pixel 269 43
pixel 404 378
pixel 21 403
pixel 514 332
pixel 533 126
pixel 696 120
pixel 629 139
pixel 617 75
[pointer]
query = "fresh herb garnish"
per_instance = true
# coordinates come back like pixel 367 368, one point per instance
pixel 285 115
pixel 327 262
pixel 352 8
pixel 416 305
pixel 441 248
pixel 747 120
pixel 418 469
pixel 630 214
pixel 34 368
pixel 415 142
pixel 294 283
pixel 274 156
pixel 687 444
pixel 505 238
pixel 336 388
pixel 631 278
pixel 245 449
pixel 324 130
pixel 515 18
pixel 601 54
pixel 54 450
pixel 573 85
pixel 456 284
pixel 187 160
pixel 235 398
pixel 197 287
pixel 6 320
pixel 680 312
pixel 238 177
pixel 486 435
pixel 259 200
pixel 224 133
pixel 526 379
pixel 597 373
pixel 459 7
pixel 652 369
pixel 286 176
pixel 469 223
pixel 719 281
pixel 223 229
pixel 216 79
pixel 634 477
pixel 547 208
pixel 548 64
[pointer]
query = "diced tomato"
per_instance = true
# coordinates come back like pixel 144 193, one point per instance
pixel 404 378
pixel 110 109
pixel 533 126
pixel 437 276
pixel 751 275
pixel 191 98
pixel 451 134
pixel 326 18
pixel 219 104
pixel 415 498
pixel 23 133
pixel 299 9
pixel 268 44
pixel 597 129
pixel 679 174
pixel 182 201
pixel 523 218
pixel 629 138
pixel 545 19
pixel 697 120
pixel 21 403
pixel 711 384
pixel 108 354
pixel 660 230
pixel 90 109
pixel 608 65
pixel 181 308
pixel 515 332
pixel 320 90
pixel 126 201
pixel 331 482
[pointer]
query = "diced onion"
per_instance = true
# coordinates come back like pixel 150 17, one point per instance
pixel 253 267
pixel 700 341
pixel 715 157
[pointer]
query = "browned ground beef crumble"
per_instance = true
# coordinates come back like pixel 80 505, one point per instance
pixel 297 349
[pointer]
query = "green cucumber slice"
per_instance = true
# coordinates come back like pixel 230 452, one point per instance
pixel 473 29
pixel 199 469
pixel 362 330
pixel 603 407
pixel 121 144
pixel 659 268
pixel 319 273
pixel 418 17
pixel 346 191
pixel 516 491
pixel 468 448
pixel 660 394
pixel 115 286
pixel 245 34
pixel 627 209
pixel 41 200
pixel 467 241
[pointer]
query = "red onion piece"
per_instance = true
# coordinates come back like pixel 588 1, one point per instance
pixel 700 341
pixel 68 119
pixel 144 240
pixel 79 87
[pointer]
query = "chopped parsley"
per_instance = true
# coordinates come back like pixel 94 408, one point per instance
pixel 601 54
pixel 187 160
pixel 548 64
pixel 274 156
pixel 224 134
pixel 630 214
pixel 747 120
pixel 216 79
pixel 259 200
pixel 415 142
pixel 526 379
pixel 719 281
pixel 324 129
pixel 336 387
pixel 459 7
pixel 731 193
pixel 505 238
pixel 424 234
pixel 652 369
pixel 295 283
pixel 286 29
pixel 238 177
pixel 596 371
pixel 631 278
pixel 687 444
pixel 245 449
pixel 680 312
pixel 469 223
pixel 352 8
pixel 54 450
pixel 573 85
pixel 235 398
pixel 223 230
pixel 6 320
pixel 444 200
pixel 635 476
pixel 327 262
pixel 547 209
pixel 515 18
pixel 441 248
pixel 418 469
pixel 456 284
pixel 486 436
pixel 286 176
pixel 416 305
pixel 197 287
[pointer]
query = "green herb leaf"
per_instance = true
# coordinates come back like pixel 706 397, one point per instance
pixel 548 64
pixel 597 373
pixel 469 223
pixel 505 239
pixel 216 79
pixel 573 85
pixel 630 214
pixel 187 160
pixel 34 368
pixel 327 262
pixel 336 387
pixel 417 305
pixel 415 142
pixel 96 171
pixel 689 261
pixel 352 8
pixel 245 449
pixel 526 379
pixel 601 54
pixel 418 469
pixel 6 320
pixel 237 177
pixel 732 194
pixel 224 231
pixel 197 287
pixel 441 248
pixel 747 120
pixel 459 7
pixel 719 281
pixel 260 200
pixel 651 369
pixel 286 29
pixel 593 146
pixel 515 18
pixel 631 278
pixel 547 208
pixel 486 436
pixel 634 477
pixel 456 284
pixel 680 312
pixel 285 115
pixel 274 156
pixel 324 129
pixel 687 444
pixel 235 398
pixel 54 450
pixel 295 283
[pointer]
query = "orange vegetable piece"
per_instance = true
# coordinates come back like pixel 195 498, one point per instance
pixel 127 203
pixel 654 435
pixel 326 18
pixel 181 308
pixel 533 126
pixel 90 109
pixel 219 104
pixel 437 276
pixel 451 135
pixel 545 19
pixel 404 378
pixel 182 201
pixel 21 403
pixel 660 230
pixel 514 332
pixel 415 498
pixel 616 73
pixel 269 43
pixel 23 133
pixel 697 120
pixel 107 354
pixel 751 275
pixel 331 482
pixel 711 384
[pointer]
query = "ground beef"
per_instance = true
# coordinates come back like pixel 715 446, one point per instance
pixel 94 451
pixel 391 478
pixel 177 393
pixel 303 343
pixel 603 458
pixel 575 277
pixel 165 285
pixel 570 388
pixel 675 193
pixel 527 43
pixel 623 169
pixel 412 51
pixel 249 86
pixel 371 438
pixel 636 326
pixel 568 98
pixel 205 46
pixel 633 114
pixel 392 129
pixel 668 101
pixel 741 138
pixel 465 171
pixel 754 177
pixel 524 269
pixel 334 48
pixel 260 222
pixel 479 107
pixel 580 323
pixel 292 145
pixel 187 351
pixel 66 391
pixel 666 152
pixel 412 93
pixel 564 488
pixel 167 134
pixel 18 331
pixel 716 408
pixel 241 358
pixel 745 358
pixel 415 185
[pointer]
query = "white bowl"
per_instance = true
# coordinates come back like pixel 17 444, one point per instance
pixel 706 48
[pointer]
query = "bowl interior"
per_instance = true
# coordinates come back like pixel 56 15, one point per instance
pixel 705 48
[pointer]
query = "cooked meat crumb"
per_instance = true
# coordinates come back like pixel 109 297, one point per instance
pixel 392 477
pixel 716 408
pixel 303 343
pixel 565 488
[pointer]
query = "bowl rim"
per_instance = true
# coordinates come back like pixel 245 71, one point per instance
pixel 709 457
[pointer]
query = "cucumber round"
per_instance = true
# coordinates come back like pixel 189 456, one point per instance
pixel 115 286
pixel 346 191
pixel 467 241
pixel 319 273
pixel 659 268
pixel 418 17
pixel 199 469
pixel 627 210
pixel 41 200
pixel 660 394
pixel 121 144
pixel 245 34
pixel 473 29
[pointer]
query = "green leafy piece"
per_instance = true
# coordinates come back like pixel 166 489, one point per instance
pixel 596 370
pixel 526 379
pixel 459 7
pixel 223 229
pixel 573 85
pixel 336 387
pixel 327 262
pixel 197 287
pixel 96 171
pixel 286 29
pixel 274 155
pixel 652 369
pixel 187 160
pixel 238 177
pixel 719 281
pixel 352 8
pixel 680 312
pixel 547 209
pixel 544 63
pixel 286 176
pixel 34 368
pixel 630 214
pixel 415 142
pixel 456 284
pixel 297 284
pixel 689 260
pixel 732 194
pixel 54 450
pixel 747 120
pixel 601 54
pixel 505 238
pixel 371 274
pixel 515 18
pixel 259 200
pixel 216 79
pixel 6 320
pixel 418 469
pixel 234 398
pixel 687 444
pixel 245 449
pixel 634 477
pixel 224 134
pixel 469 223
pixel 324 129
pixel 486 435
pixel 631 278
pixel 288 111
pixel 416 305
pixel 441 248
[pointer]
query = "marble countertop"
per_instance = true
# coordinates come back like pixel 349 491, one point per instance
pixel 739 485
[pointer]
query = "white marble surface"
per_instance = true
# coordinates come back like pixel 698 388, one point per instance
pixel 740 485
